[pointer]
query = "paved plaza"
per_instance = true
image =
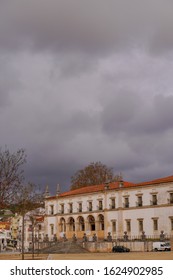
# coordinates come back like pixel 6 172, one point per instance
pixel 94 256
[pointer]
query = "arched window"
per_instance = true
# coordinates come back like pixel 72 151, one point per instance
pixel 62 225
pixel 91 221
pixel 71 224
pixel 81 223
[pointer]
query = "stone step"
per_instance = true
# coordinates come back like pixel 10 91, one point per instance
pixel 65 248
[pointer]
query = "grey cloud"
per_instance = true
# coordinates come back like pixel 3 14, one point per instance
pixel 8 80
pixel 158 117
pixel 80 82
pixel 75 64
pixel 120 112
pixel 88 26
pixel 130 113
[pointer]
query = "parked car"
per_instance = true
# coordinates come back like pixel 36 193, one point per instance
pixel 161 246
pixel 120 249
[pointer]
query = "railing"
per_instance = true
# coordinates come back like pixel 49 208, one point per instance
pixel 142 237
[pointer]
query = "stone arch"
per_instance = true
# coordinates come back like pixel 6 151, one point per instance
pixel 81 223
pixel 101 221
pixel 91 223
pixel 62 225
pixel 71 223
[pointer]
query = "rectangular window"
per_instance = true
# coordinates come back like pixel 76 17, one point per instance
pixel 39 227
pixel 112 205
pixel 100 206
pixel 141 228
pixel 52 229
pixel 80 207
pixel 139 202
pixel 113 226
pixel 90 207
pixel 70 207
pixel 51 209
pixel 171 198
pixel 128 225
pixel 171 223
pixel 154 199
pixel 155 224
pixel 126 202
pixel 62 209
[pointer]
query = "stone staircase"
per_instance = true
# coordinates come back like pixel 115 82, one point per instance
pixel 67 247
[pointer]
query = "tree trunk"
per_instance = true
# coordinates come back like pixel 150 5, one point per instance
pixel 23 234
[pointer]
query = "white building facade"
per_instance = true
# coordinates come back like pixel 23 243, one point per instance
pixel 116 208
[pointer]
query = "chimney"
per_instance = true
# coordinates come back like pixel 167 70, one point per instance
pixel 57 190
pixel 106 187
pixel 121 182
pixel 47 193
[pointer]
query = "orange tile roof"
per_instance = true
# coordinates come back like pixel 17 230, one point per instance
pixel 96 188
pixel 113 185
pixel 40 218
pixel 156 181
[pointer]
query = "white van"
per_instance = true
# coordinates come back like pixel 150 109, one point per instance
pixel 161 246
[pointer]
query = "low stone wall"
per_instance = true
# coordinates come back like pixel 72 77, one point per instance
pixel 171 243
pixel 134 246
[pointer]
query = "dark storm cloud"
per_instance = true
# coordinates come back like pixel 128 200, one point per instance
pixel 86 25
pixel 131 113
pixel 84 81
pixel 8 80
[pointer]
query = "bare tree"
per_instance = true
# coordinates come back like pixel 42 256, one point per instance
pixel 27 199
pixel 93 174
pixel 11 175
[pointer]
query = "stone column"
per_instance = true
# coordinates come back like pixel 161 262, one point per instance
pixel 87 226
pixel 97 225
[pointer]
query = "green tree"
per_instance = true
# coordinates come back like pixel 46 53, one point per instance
pixel 94 174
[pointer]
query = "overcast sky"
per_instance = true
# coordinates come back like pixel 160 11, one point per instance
pixel 86 81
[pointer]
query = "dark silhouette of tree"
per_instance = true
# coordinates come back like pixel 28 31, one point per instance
pixel 94 174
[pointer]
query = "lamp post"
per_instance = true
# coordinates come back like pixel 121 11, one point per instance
pixel 32 221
